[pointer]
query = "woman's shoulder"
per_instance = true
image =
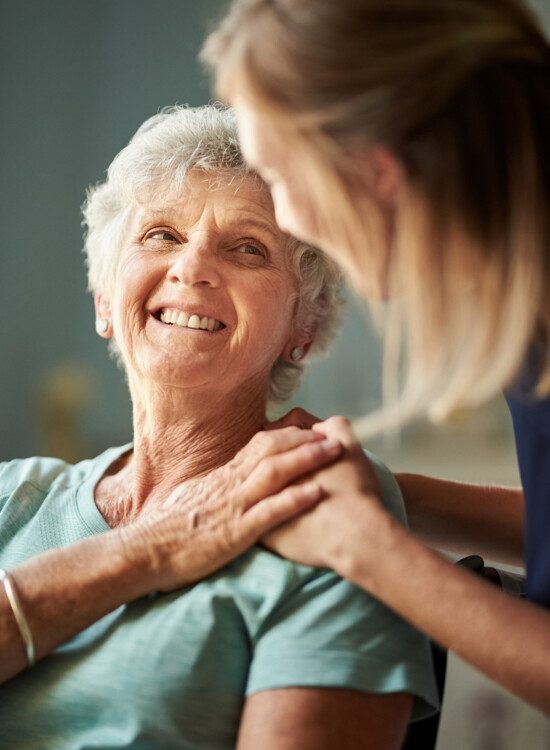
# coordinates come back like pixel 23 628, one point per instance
pixel 40 471
pixel 390 494
pixel 308 623
pixel 44 472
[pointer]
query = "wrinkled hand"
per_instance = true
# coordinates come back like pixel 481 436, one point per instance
pixel 323 536
pixel 208 522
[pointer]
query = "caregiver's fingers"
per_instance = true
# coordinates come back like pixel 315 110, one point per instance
pixel 296 417
pixel 277 471
pixel 275 510
pixel 339 428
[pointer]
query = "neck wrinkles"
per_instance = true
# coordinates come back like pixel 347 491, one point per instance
pixel 181 436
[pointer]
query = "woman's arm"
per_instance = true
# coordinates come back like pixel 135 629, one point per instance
pixel 507 639
pixel 465 518
pixel 64 590
pixel 323 719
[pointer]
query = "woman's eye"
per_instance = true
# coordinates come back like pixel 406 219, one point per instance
pixel 248 249
pixel 161 234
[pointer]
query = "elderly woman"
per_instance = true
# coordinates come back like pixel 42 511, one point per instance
pixel 210 309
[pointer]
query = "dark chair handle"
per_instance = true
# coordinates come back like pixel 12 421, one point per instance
pixel 511 583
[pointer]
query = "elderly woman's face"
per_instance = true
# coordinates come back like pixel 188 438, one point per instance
pixel 204 290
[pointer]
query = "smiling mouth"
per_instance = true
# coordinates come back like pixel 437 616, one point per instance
pixel 171 316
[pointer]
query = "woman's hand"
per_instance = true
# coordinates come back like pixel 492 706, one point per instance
pixel 207 522
pixel 322 536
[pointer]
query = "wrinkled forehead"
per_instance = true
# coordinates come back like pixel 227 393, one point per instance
pixel 231 186
pixel 233 194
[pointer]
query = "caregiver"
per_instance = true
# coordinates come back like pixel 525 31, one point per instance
pixel 419 134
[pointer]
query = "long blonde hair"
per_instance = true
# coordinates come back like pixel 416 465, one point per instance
pixel 458 91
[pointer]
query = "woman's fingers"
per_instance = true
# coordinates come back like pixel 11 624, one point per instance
pixel 277 471
pixel 275 510
pixel 269 443
pixel 266 442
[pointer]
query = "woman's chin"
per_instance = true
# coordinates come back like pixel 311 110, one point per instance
pixel 162 369
pixel 170 377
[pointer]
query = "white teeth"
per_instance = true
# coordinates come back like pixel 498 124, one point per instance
pixel 182 319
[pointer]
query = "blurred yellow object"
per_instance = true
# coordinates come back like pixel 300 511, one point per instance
pixel 64 394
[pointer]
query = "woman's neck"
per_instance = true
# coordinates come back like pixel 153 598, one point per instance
pixel 178 437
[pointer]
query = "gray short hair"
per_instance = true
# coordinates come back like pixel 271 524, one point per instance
pixel 156 162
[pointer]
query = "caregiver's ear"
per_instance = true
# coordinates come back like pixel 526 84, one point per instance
pixel 103 322
pixel 381 173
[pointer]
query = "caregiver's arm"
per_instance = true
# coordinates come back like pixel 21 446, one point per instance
pixel 465 518
pixel 323 719
pixel 64 590
pixel 506 638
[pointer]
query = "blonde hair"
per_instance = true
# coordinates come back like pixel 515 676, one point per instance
pixel 155 164
pixel 458 91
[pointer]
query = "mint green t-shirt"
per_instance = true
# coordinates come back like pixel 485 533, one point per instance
pixel 172 671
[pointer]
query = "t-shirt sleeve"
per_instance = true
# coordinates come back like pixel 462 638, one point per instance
pixel 326 632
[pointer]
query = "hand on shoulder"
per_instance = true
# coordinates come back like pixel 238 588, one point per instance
pixel 205 523
pixel 348 515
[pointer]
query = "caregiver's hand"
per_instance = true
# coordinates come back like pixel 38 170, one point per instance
pixel 322 536
pixel 207 522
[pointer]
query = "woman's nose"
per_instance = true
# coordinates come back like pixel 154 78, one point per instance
pixel 195 264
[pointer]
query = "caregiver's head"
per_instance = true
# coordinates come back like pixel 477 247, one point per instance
pixel 194 282
pixel 409 139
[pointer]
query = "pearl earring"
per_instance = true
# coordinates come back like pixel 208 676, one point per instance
pixel 296 354
pixel 101 325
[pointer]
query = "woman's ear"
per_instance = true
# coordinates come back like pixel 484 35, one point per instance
pixel 103 322
pixel 299 344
